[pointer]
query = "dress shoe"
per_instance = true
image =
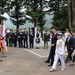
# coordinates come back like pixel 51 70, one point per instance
pixel 1 60
pixel 52 70
pixel 46 61
pixel 50 65
pixel 3 56
pixel 62 69
pixel 72 64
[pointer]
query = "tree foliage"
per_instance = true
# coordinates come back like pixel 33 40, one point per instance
pixel 59 9
pixel 60 20
pixel 33 11
pixel 4 7
pixel 17 14
pixel 36 13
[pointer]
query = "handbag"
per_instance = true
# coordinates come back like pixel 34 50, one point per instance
pixel 38 40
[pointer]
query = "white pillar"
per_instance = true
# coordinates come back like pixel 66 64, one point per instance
pixel 35 31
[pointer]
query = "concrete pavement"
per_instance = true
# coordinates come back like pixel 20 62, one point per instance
pixel 19 61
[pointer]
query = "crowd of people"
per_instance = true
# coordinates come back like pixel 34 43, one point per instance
pixel 58 48
pixel 23 39
pixel 20 38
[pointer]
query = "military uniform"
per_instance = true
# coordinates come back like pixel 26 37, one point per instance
pixel 7 39
pixel 20 39
pixel 31 40
pixel 15 39
pixel 10 39
pixel 25 39
pixel 59 53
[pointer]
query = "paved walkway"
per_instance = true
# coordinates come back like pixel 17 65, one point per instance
pixel 20 61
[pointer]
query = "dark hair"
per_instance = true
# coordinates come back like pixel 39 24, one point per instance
pixel 54 28
pixel 1 22
pixel 70 32
pixel 73 31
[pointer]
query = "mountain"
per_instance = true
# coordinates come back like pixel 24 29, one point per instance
pixel 9 24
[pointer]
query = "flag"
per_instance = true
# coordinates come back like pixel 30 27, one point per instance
pixel 4 35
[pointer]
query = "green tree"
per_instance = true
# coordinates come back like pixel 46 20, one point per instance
pixel 60 19
pixel 41 19
pixel 17 14
pixel 4 7
pixel 36 13
pixel 71 13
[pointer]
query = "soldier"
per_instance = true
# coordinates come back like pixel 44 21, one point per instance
pixel 15 38
pixel 20 38
pixel 25 39
pixel 31 39
pixel 7 37
pixel 59 53
pixel 10 38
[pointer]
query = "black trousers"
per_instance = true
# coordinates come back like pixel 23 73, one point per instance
pixel 73 58
pixel 20 42
pixel 15 42
pixel 7 42
pixel 10 42
pixel 31 44
pixel 25 43
pixel 51 55
pixel 69 56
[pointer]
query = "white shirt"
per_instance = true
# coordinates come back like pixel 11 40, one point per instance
pixel 60 47
pixel 66 35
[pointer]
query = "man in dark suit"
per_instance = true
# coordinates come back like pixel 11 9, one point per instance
pixel 11 38
pixel 73 60
pixel 53 46
pixel 19 35
pixel 31 39
pixel 70 46
pixel 7 38
pixel 25 39
pixel 15 38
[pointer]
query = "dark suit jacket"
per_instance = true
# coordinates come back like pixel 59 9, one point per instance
pixel 31 37
pixel 25 35
pixel 70 43
pixel 53 41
